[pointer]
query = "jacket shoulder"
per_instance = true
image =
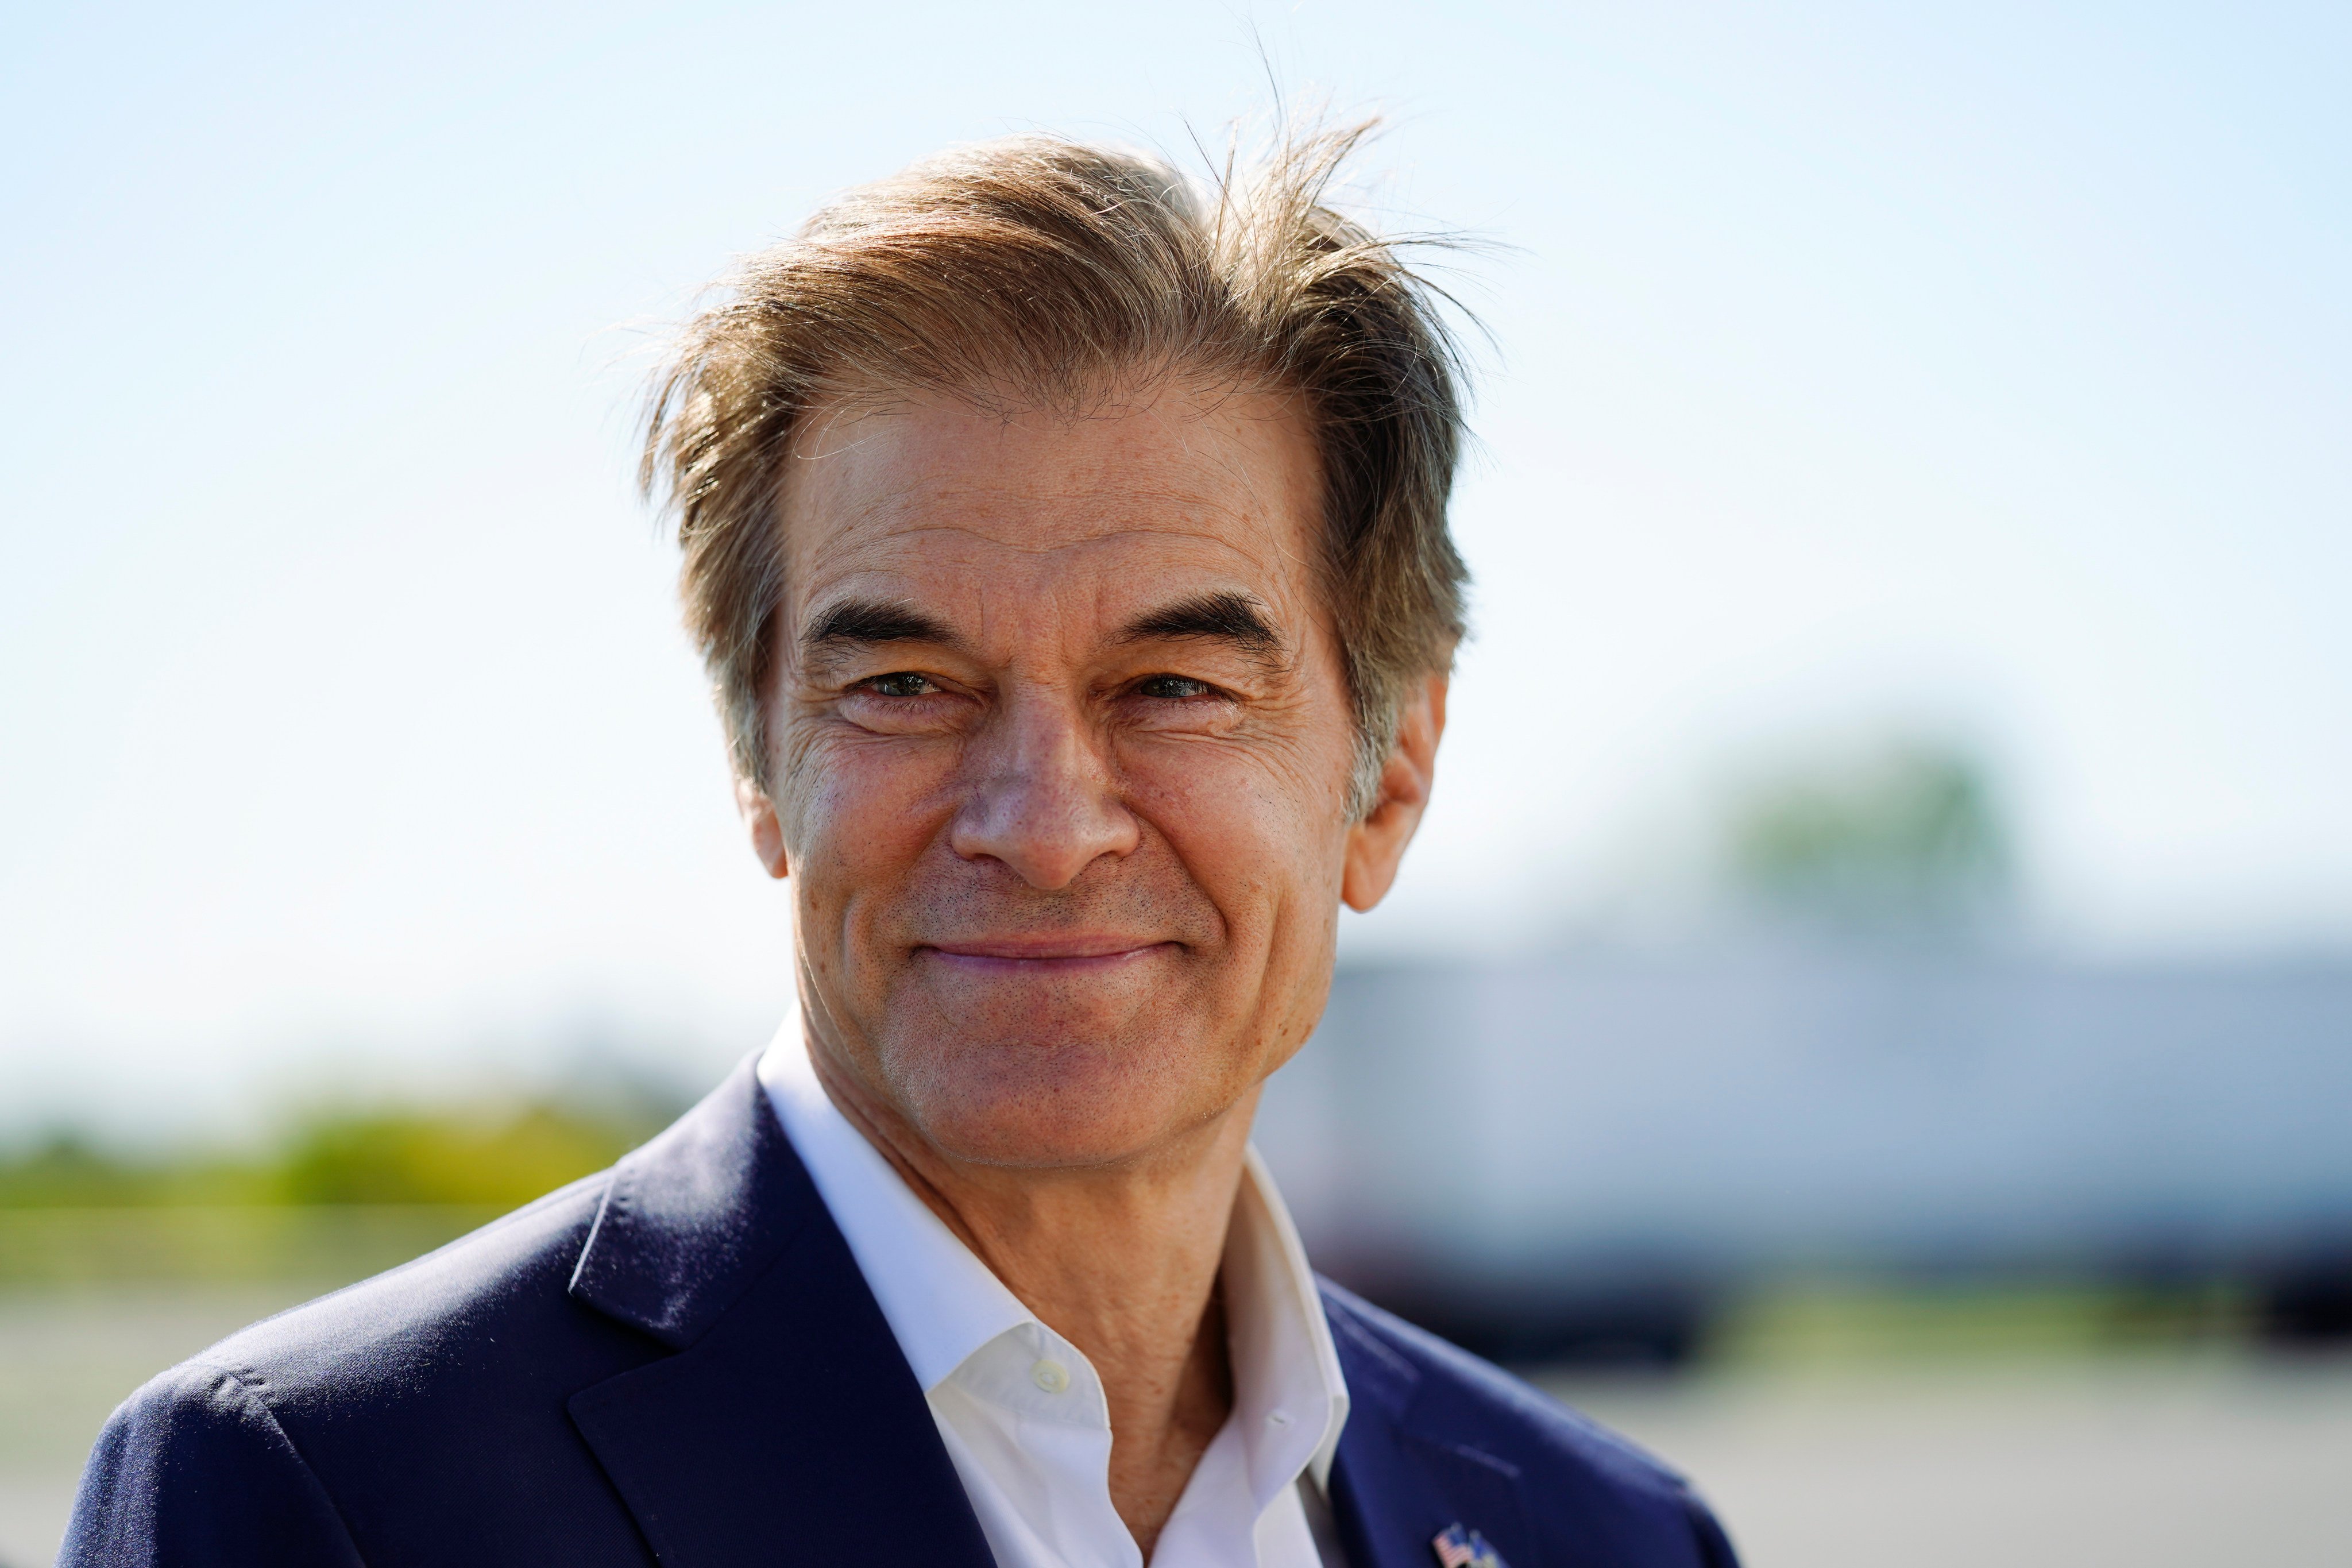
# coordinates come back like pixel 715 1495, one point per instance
pixel 1565 1460
pixel 193 1470
pixel 507 1279
pixel 301 1433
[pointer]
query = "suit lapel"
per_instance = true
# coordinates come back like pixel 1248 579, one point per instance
pixel 1395 1488
pixel 786 1427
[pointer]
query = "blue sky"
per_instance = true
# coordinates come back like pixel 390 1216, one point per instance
pixel 1980 370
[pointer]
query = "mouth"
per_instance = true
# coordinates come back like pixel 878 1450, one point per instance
pixel 1041 955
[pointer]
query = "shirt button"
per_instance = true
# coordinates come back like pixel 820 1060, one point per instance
pixel 1050 1375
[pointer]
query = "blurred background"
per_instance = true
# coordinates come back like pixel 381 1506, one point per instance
pixel 1871 1012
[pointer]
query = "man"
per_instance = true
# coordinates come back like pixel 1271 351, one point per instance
pixel 1068 548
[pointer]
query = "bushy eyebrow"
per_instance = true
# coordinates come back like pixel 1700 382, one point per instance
pixel 854 622
pixel 1234 618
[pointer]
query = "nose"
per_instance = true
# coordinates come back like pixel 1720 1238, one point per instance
pixel 1043 801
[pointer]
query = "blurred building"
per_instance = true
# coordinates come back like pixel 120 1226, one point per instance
pixel 1863 1070
pixel 1545 1155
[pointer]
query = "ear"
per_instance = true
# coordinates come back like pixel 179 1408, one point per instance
pixel 1376 845
pixel 767 833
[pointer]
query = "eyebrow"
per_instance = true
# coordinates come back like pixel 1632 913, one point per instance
pixel 849 623
pixel 1235 618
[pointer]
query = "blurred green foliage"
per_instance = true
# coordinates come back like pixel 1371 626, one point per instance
pixel 64 1170
pixel 420 1158
pixel 1808 1323
pixel 371 1156
pixel 342 1193
pixel 320 1246
pixel 1906 837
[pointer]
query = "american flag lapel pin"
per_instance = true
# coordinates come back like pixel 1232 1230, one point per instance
pixel 1459 1548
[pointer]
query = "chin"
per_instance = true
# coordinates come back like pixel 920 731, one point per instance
pixel 1045 1103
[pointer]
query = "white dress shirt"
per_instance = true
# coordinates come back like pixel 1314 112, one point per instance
pixel 1023 1413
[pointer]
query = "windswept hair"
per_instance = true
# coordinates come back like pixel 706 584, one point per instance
pixel 1034 270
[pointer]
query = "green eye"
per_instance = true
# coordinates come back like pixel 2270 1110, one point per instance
pixel 903 684
pixel 1173 687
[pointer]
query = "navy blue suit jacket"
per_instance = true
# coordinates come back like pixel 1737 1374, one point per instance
pixel 678 1362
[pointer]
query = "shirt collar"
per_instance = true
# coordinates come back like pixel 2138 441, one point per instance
pixel 941 1302
pixel 944 1304
pixel 1288 1391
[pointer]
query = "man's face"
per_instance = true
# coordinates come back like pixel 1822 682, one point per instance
pixel 1061 745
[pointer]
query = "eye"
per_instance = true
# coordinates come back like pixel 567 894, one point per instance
pixel 904 683
pixel 1173 687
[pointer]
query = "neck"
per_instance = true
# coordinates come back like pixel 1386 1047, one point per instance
pixel 1121 1260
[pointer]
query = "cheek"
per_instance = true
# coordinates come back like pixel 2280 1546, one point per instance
pixel 855 814
pixel 1259 830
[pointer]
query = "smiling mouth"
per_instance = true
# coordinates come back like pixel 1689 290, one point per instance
pixel 1043 955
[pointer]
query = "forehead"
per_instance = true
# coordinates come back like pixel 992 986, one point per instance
pixel 932 498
